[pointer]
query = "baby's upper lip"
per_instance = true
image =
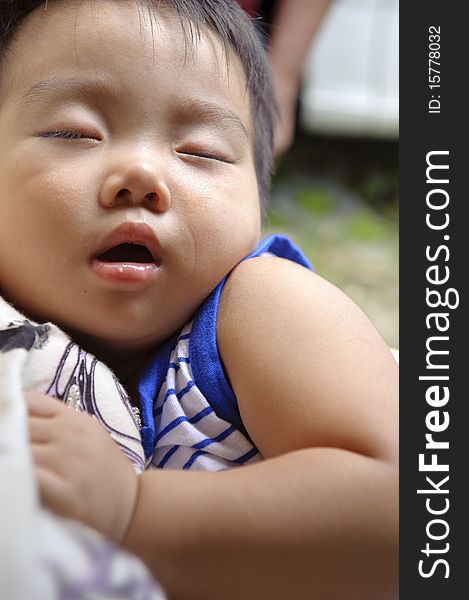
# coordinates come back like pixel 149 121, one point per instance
pixel 132 233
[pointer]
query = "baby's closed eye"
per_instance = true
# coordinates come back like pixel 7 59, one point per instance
pixel 206 154
pixel 69 134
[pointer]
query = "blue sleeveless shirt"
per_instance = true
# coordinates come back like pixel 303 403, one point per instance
pixel 189 412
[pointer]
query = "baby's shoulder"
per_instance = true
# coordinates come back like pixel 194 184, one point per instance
pixel 269 291
pixel 272 309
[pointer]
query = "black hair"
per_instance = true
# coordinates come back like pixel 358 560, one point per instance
pixel 235 30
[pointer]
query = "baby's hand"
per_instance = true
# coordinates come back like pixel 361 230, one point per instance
pixel 80 471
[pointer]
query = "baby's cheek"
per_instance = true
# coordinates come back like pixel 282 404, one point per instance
pixel 230 243
pixel 246 226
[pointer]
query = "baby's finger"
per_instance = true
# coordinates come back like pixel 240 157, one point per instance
pixel 50 457
pixel 41 431
pixel 42 405
pixel 53 491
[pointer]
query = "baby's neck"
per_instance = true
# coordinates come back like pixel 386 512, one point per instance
pixel 127 364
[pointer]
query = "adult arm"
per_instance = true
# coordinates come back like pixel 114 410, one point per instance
pixel 295 24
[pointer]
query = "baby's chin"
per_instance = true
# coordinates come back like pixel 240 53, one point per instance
pixel 113 348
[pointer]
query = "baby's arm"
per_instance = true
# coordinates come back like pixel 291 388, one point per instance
pixel 317 390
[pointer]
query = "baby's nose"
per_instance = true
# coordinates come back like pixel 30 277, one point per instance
pixel 137 183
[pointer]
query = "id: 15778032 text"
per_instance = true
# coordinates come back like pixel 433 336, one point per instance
pixel 434 66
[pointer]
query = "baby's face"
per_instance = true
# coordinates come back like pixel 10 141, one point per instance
pixel 109 136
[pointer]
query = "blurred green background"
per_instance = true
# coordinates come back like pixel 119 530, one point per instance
pixel 338 200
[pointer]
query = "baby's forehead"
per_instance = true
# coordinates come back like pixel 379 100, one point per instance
pixel 92 27
pixel 147 19
pixel 88 32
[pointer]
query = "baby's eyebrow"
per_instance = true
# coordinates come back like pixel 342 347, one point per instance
pixel 70 87
pixel 198 110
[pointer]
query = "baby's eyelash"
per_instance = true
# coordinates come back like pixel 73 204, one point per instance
pixel 207 156
pixel 66 134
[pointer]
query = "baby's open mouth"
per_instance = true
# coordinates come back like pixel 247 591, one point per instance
pixel 127 253
pixel 130 255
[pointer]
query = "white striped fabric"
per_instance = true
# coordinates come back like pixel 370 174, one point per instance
pixel 189 434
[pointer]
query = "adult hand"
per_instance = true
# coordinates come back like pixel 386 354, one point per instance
pixel 80 471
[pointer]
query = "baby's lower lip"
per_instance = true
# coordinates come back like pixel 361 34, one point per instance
pixel 124 272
